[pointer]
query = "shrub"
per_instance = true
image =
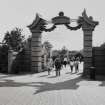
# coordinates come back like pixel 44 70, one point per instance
pixel 4 58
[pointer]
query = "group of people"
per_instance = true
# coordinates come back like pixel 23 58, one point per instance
pixel 74 63
pixel 58 64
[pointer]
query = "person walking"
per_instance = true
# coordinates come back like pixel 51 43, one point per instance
pixel 49 66
pixel 76 65
pixel 65 61
pixel 62 62
pixel 71 65
pixel 57 66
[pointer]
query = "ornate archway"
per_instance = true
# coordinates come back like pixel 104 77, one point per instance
pixel 39 25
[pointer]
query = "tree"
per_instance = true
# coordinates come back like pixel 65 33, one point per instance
pixel 48 47
pixel 55 54
pixel 3 58
pixel 63 52
pixel 14 39
pixel 103 45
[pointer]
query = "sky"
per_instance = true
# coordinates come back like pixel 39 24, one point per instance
pixel 21 13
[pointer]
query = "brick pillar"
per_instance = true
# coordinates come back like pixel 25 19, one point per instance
pixel 87 50
pixel 36 51
pixel 36 45
pixel 88 25
pixel 11 58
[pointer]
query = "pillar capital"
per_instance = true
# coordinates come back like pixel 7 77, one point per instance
pixel 87 27
pixel 37 25
pixel 36 31
pixel 88 24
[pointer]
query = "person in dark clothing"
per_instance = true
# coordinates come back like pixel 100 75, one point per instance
pixel 62 63
pixel 65 62
pixel 49 65
pixel 76 65
pixel 57 66
pixel 71 65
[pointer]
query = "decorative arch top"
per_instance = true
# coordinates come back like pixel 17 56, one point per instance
pixel 61 19
pixel 89 20
pixel 37 23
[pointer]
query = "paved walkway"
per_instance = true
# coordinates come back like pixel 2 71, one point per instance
pixel 41 89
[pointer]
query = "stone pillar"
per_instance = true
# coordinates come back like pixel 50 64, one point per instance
pixel 11 58
pixel 88 25
pixel 87 50
pixel 36 45
pixel 10 55
pixel 36 51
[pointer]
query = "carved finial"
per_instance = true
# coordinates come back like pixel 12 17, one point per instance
pixel 39 15
pixel 84 9
pixel 61 13
pixel 89 19
pixel 35 22
pixel 84 12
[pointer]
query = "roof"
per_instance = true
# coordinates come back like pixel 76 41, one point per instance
pixel 35 22
pixel 89 20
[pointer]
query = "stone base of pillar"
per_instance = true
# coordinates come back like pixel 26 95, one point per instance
pixel 85 72
pixel 86 69
pixel 36 69
pixel 9 60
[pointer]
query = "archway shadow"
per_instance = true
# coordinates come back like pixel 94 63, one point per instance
pixel 43 86
pixel 69 84
pixel 70 73
pixel 102 79
pixel 12 83
pixel 103 83
pixel 48 86
pixel 4 76
pixel 52 77
pixel 43 75
pixel 79 73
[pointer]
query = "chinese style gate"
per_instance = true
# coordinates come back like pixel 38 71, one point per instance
pixel 39 25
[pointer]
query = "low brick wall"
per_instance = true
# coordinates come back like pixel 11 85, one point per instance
pixel 99 60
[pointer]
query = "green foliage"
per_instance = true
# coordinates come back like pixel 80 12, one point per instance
pixel 103 45
pixel 63 51
pixel 14 39
pixel 48 46
pixel 20 64
pixel 4 58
